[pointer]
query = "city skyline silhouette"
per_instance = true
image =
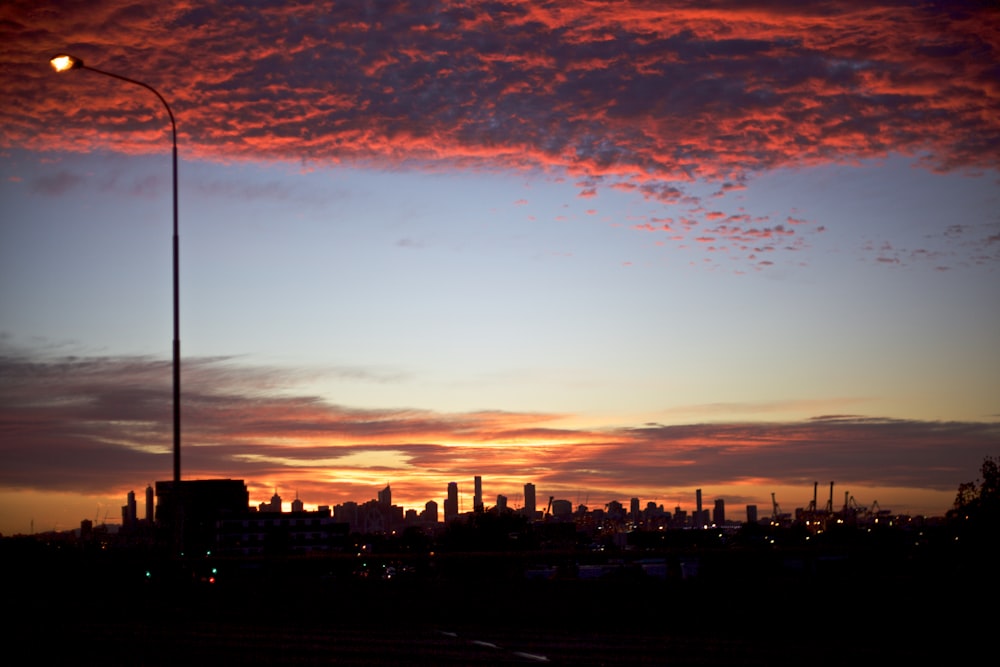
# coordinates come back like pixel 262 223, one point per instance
pixel 611 252
pixel 498 588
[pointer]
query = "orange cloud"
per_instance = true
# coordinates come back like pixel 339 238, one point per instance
pixel 81 425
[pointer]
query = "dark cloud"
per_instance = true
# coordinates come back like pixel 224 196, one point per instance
pixel 96 423
pixel 870 451
pixel 644 95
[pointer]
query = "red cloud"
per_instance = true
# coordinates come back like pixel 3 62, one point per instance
pixel 641 96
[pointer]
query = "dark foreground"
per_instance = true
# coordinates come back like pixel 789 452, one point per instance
pixel 739 610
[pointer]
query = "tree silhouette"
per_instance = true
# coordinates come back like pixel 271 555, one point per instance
pixel 983 492
pixel 980 500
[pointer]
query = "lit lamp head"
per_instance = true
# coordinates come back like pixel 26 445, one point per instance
pixel 64 63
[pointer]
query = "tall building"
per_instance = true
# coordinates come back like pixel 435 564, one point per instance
pixel 680 516
pixel 273 506
pixel 297 505
pixel 529 500
pixel 347 513
pixel 563 509
pixel 477 499
pixel 451 502
pixel 634 509
pixel 501 503
pixel 188 511
pixel 751 514
pixel 385 496
pixel 700 518
pixel 149 504
pixel 131 509
pixel 430 514
pixel 719 512
pixel 615 510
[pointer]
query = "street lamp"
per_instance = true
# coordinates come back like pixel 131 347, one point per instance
pixel 64 63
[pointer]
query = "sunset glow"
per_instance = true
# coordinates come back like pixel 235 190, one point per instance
pixel 612 249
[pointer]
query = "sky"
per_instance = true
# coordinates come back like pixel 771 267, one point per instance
pixel 615 249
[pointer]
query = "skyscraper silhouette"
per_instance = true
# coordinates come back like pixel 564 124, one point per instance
pixel 131 509
pixel 529 500
pixel 719 513
pixel 451 502
pixel 477 499
pixel 430 512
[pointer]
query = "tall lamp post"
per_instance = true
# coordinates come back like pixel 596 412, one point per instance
pixel 64 63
